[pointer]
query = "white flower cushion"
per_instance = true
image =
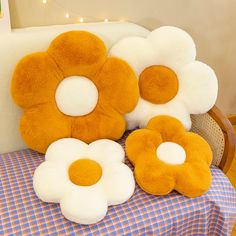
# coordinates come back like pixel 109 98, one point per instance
pixel 196 83
pixel 88 203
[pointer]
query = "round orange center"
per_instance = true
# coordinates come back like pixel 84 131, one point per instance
pixel 85 172
pixel 158 84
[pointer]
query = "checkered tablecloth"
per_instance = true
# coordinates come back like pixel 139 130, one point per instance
pixel 22 213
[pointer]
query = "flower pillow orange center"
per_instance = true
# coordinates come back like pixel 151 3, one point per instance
pixel 166 157
pixel 159 80
pixel 171 81
pixel 73 90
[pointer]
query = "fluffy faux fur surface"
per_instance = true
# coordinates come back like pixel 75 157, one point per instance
pixel 76 96
pixel 85 172
pixel 78 53
pixel 184 87
pixel 158 80
pixel 84 188
pixel 154 175
pixel 75 53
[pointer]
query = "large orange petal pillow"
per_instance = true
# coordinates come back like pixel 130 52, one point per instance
pixel 73 90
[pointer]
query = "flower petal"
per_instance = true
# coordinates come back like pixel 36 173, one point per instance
pixel 140 116
pixel 35 80
pixel 198 87
pixel 197 149
pixel 103 122
pixel 106 151
pixel 193 179
pixel 154 176
pixel 78 53
pixel 42 125
pixel 167 126
pixel 140 142
pixel 117 182
pixel 145 110
pixel 178 110
pixel 49 182
pixel 84 206
pixel 66 151
pixel 117 85
pixel 137 51
pixel 175 47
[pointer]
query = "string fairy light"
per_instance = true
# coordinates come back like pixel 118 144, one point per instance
pixel 72 14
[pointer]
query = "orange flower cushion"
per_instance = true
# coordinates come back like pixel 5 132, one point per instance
pixel 167 158
pixel 73 90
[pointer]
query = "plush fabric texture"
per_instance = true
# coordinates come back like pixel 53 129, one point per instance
pixel 64 178
pixel 191 177
pixel 171 81
pixel 158 80
pixel 85 172
pixel 67 98
pixel 36 82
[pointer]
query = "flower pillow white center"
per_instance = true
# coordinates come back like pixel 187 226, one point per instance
pixel 76 96
pixel 171 153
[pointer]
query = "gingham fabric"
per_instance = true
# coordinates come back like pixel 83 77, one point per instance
pixel 22 213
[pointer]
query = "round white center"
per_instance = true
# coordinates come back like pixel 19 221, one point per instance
pixel 171 153
pixel 76 96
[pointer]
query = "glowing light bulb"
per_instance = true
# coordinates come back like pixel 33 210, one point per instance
pixel 44 1
pixel 67 15
pixel 81 19
pixel 105 20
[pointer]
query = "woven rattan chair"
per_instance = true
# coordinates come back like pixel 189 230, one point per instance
pixel 218 131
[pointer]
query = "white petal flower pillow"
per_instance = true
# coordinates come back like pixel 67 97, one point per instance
pixel 84 179
pixel 171 81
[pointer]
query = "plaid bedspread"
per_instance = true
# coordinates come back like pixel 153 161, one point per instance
pixel 22 213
